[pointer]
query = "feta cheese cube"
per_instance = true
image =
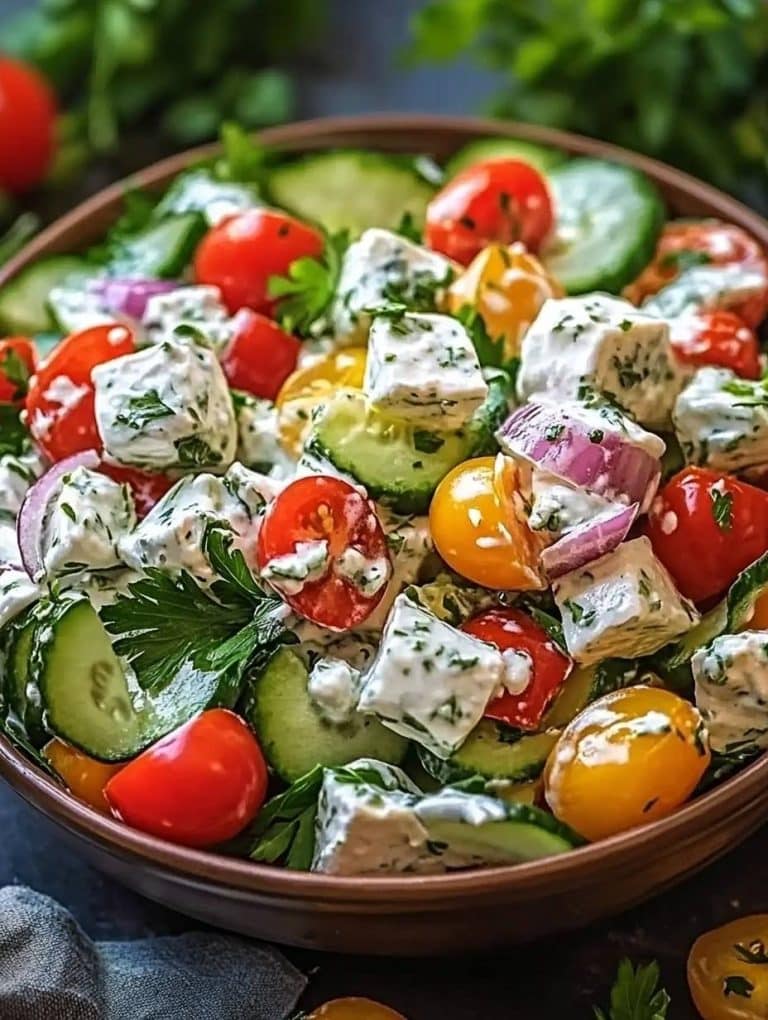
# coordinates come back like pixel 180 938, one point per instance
pixel 84 522
pixel 198 308
pixel 423 368
pixel 76 307
pixel 334 687
pixel 17 475
pixel 17 592
pixel 429 681
pixel 599 343
pixel 624 604
pixel 258 443
pixel 199 191
pixel 706 287
pixel 731 686
pixel 168 406
pixel 722 421
pixel 381 265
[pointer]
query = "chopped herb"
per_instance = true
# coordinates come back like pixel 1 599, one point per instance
pixel 754 952
pixel 67 509
pixel 427 442
pixel 554 432
pixel 625 325
pixel 195 452
pixel 684 258
pixel 722 508
pixel 578 615
pixel 16 371
pixel 490 352
pixel 735 984
pixel 306 292
pixel 142 410
pixel 407 228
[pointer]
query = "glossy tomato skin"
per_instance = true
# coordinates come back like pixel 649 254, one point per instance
pixel 260 356
pixel 511 629
pixel 717 338
pixel 200 785
pixel 497 201
pixel 706 527
pixel 83 776
pixel 240 254
pixel 17 364
pixel 27 126
pixel 321 508
pixel 60 400
pixel 728 970
pixel 147 489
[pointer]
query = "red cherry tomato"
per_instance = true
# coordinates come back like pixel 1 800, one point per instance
pixel 260 356
pixel 17 364
pixel 147 489
pixel 706 527
pixel 27 126
pixel 200 785
pixel 510 629
pixel 327 509
pixel 241 253
pixel 61 398
pixel 716 338
pixel 498 201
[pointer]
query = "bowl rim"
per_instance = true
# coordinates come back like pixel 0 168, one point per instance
pixel 707 810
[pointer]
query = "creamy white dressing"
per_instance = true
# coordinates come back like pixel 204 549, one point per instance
pixel 333 688
pixel 368 575
pixel 518 672
pixel 291 572
pixel 731 689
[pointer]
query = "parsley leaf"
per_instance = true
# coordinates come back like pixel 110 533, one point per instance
pixel 226 562
pixel 489 352
pixel 735 984
pixel 305 294
pixel 14 438
pixel 684 258
pixel 407 228
pixel 16 371
pixel 635 994
pixel 722 508
pixel 417 291
pixel 142 410
pixel 193 451
pixel 243 160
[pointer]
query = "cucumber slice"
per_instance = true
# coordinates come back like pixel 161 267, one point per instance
pixel 23 300
pixel 608 219
pixel 92 703
pixel 21 693
pixel 162 249
pixel 351 190
pixel 397 463
pixel 295 738
pixel 489 753
pixel 199 191
pixel 542 157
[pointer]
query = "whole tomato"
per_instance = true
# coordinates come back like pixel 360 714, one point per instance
pixel 27 126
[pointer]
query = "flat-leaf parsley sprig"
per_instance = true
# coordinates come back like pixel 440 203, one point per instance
pixel 636 994
pixel 306 292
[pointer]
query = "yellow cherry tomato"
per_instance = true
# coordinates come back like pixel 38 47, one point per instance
pixel 507 287
pixel 478 534
pixel 728 970
pixel 759 618
pixel 84 777
pixel 307 387
pixel 355 1009
pixel 630 757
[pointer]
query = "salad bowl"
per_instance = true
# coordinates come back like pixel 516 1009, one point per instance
pixel 413 914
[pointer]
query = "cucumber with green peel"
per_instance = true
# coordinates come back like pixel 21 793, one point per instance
pixel 543 157
pixel 24 299
pixel 608 218
pixel 162 249
pixel 22 693
pixel 352 190
pixel 293 734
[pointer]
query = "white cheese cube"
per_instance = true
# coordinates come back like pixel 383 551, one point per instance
pixel 168 406
pixel 731 685
pixel 334 687
pixel 429 681
pixel 84 523
pixel 624 604
pixel 381 265
pixel 722 421
pixel 197 308
pixel 200 191
pixel 601 343
pixel 17 592
pixel 258 445
pixel 423 368
pixel 706 287
pixel 17 475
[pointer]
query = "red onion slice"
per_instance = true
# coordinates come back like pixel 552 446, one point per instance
pixel 29 524
pixel 129 296
pixel 601 460
pixel 589 541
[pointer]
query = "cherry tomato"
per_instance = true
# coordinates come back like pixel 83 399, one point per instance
pixel 27 126
pixel 83 776
pixel 631 757
pixel 260 356
pixel 307 387
pixel 728 970
pixel 477 532
pixel 60 398
pixel 496 201
pixel 758 619
pixel 324 509
pixel 507 287
pixel 513 630
pixel 200 785
pixel 147 489
pixel 716 338
pixel 241 253
pixel 685 243
pixel 706 527
pixel 17 364
pixel 354 1009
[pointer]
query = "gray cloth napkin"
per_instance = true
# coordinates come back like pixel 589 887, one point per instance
pixel 51 970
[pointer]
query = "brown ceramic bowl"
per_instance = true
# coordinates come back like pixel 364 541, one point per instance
pixel 404 915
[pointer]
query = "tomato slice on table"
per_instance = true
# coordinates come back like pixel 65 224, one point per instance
pixel 27 126
pixel 200 785
pixel 147 489
pixel 322 546
pixel 495 201
pixel 511 630
pixel 17 364
pixel 260 356
pixel 718 338
pixel 60 400
pixel 241 253
pixel 706 527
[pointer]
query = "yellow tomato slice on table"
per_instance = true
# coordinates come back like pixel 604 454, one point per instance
pixel 728 970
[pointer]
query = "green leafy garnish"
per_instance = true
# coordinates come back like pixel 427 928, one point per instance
pixel 193 451
pixel 753 952
pixel 490 352
pixel 227 562
pixel 635 994
pixel 16 371
pixel 243 160
pixel 735 984
pixel 722 507
pixel 142 410
pixel 408 229
pixel 305 294
pixel 14 438
pixel 685 258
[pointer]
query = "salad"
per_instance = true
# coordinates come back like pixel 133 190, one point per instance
pixel 367 516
